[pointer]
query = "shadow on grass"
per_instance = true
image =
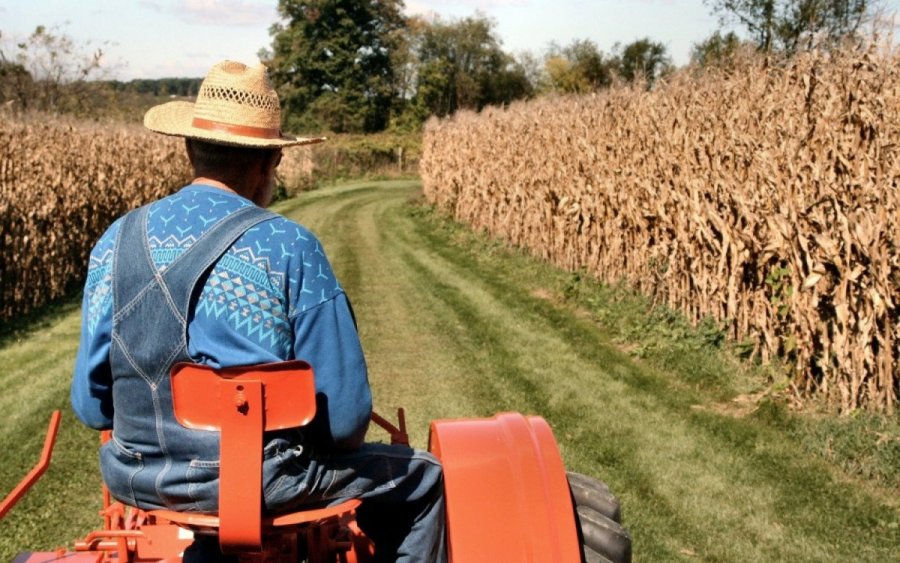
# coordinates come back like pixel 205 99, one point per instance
pixel 704 372
pixel 22 326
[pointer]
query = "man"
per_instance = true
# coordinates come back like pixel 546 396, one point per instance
pixel 208 275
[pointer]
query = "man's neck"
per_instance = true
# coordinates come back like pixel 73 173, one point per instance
pixel 206 181
pixel 245 190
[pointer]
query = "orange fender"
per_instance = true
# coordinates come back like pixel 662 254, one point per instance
pixel 507 496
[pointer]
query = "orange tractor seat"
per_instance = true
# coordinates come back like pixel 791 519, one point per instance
pixel 243 403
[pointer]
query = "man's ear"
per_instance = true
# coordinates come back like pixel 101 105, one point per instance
pixel 270 163
pixel 189 147
pixel 274 158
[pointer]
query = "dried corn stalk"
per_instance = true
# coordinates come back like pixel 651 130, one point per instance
pixel 765 196
pixel 61 185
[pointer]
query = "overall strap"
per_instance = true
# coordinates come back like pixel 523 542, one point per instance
pixel 131 279
pixel 181 275
pixel 132 265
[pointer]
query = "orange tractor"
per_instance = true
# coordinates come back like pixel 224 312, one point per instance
pixel 508 495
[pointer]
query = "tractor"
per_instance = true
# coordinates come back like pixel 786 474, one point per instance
pixel 508 495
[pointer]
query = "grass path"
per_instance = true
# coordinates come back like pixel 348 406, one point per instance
pixel 454 329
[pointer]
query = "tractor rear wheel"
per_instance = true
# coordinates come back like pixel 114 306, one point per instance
pixel 598 515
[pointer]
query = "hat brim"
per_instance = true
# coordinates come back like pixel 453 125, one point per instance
pixel 176 118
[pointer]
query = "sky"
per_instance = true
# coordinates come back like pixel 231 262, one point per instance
pixel 167 38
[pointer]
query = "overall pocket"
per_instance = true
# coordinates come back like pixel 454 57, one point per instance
pixel 119 466
pixel 285 476
pixel 203 484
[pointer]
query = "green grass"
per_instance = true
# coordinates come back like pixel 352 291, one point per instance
pixel 709 463
pixel 37 362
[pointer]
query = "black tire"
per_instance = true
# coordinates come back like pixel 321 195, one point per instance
pixel 593 493
pixel 588 555
pixel 603 536
pixel 597 514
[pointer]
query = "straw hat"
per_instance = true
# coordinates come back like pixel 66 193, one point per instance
pixel 236 105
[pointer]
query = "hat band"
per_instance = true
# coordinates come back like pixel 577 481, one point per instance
pixel 242 130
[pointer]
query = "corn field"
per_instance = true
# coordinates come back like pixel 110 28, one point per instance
pixel 62 183
pixel 764 196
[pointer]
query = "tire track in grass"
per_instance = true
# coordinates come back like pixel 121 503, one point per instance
pixel 694 483
pixel 755 464
pixel 385 302
pixel 450 331
pixel 762 490
pixel 511 374
pixel 766 466
pixel 477 347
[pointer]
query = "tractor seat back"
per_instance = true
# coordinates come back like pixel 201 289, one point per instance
pixel 242 403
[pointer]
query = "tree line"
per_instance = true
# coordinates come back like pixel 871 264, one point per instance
pixel 48 71
pixel 351 66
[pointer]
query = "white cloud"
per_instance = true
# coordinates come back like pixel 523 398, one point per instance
pixel 435 6
pixel 457 8
pixel 229 12
pixel 153 5
pixel 239 13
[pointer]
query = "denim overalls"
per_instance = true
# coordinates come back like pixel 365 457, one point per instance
pixel 153 462
pixel 151 457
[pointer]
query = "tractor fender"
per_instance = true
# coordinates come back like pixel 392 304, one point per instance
pixel 507 496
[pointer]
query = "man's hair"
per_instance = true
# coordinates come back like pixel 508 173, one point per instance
pixel 210 157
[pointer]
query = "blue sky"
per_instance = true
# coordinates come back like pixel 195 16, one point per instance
pixel 156 38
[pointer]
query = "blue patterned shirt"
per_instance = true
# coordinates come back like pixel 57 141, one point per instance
pixel 271 297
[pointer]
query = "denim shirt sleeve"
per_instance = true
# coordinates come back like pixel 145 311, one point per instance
pixel 326 337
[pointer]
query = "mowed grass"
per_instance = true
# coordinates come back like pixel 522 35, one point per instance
pixel 456 326
pixel 36 370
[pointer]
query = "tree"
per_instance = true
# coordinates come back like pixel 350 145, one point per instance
pixel 717 49
pixel 532 67
pixel 16 83
pixel 643 59
pixel 331 62
pixel 405 57
pixel 590 63
pixel 561 75
pixel 50 72
pixel 461 64
pixel 786 25
pixel 578 67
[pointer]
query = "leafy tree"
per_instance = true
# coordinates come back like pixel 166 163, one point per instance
pixel 532 67
pixel 405 56
pixel 50 72
pixel 561 75
pixel 509 83
pixel 716 49
pixel 461 64
pixel 331 62
pixel 16 83
pixel 590 63
pixel 406 66
pixel 643 59
pixel 184 87
pixel 578 67
pixel 785 25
